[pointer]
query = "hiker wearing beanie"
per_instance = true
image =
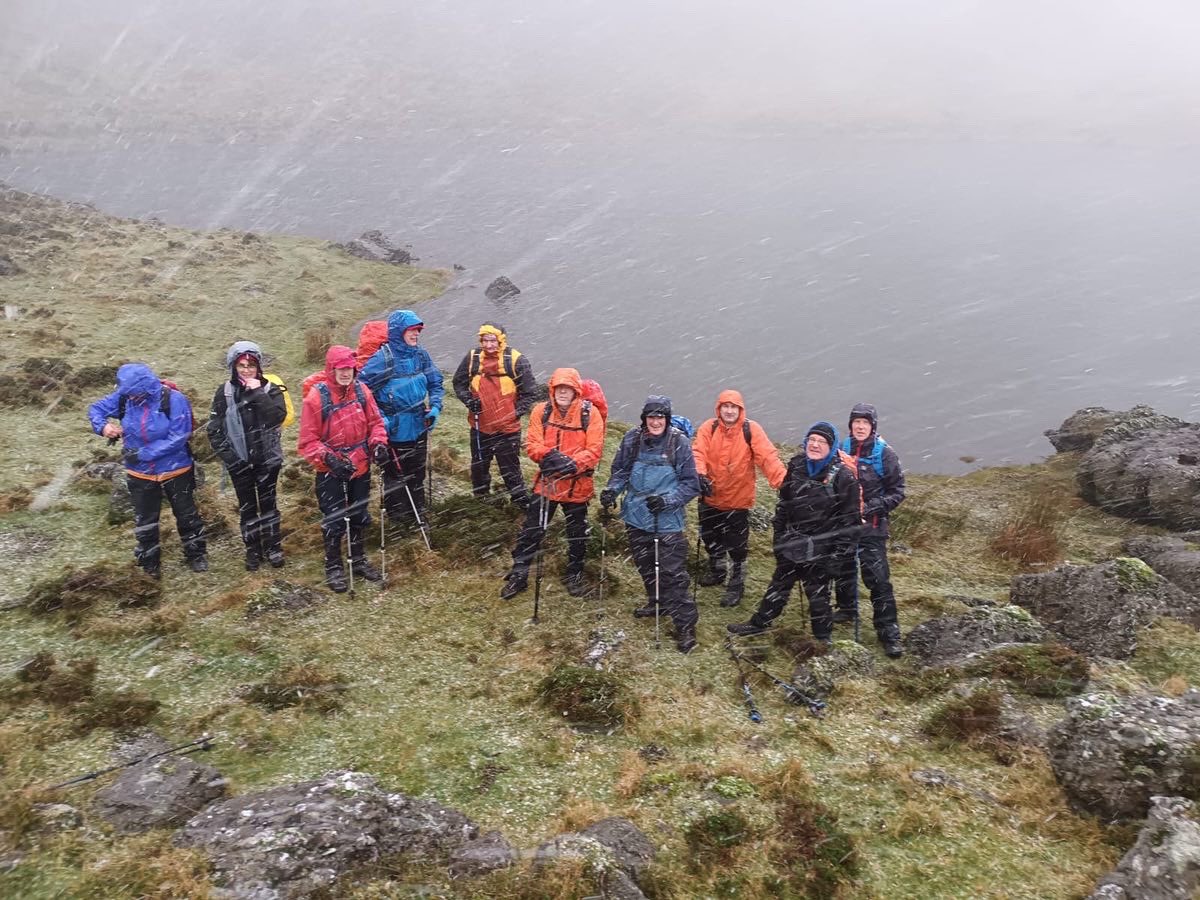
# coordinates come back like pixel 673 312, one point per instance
pixel 341 432
pixel 727 449
pixel 566 439
pixel 245 425
pixel 408 388
pixel 154 424
pixel 655 471
pixel 816 521
pixel 882 482
pixel 496 385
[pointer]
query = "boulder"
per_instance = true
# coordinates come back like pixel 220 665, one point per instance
pixel 1099 610
pixel 1171 557
pixel 162 792
pixel 1164 863
pixel 818 676
pixel 948 639
pixel 616 850
pixel 1081 429
pixel 1112 754
pixel 501 289
pixel 296 840
pixel 120 503
pixel 485 854
pixel 1147 469
pixel 375 246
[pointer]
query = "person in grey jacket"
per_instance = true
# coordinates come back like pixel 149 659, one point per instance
pixel 245 427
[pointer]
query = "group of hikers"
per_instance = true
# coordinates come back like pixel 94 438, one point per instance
pixel 376 405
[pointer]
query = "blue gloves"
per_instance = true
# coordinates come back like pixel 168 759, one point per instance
pixel 431 418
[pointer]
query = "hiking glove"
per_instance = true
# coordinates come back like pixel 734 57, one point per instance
pixel 474 406
pixel 656 503
pixel 431 418
pixel 706 486
pixel 129 456
pixel 608 498
pixel 557 463
pixel 873 508
pixel 380 455
pixel 339 467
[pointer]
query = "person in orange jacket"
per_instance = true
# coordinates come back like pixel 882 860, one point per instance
pixel 566 439
pixel 341 431
pixel 727 449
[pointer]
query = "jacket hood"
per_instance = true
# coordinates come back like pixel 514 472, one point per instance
pixel 138 379
pixel 497 330
pixel 730 397
pixel 339 357
pixel 865 411
pixel 566 378
pixel 658 405
pixel 240 349
pixel 398 323
pixel 372 336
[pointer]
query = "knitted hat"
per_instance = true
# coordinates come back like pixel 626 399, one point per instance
pixel 825 430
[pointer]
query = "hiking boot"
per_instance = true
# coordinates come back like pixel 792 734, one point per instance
pixel 889 639
pixel 576 586
pixel 736 586
pixel 198 563
pixel 364 570
pixel 649 611
pixel 712 576
pixel 826 642
pixel 253 559
pixel 747 629
pixel 842 616
pixel 154 570
pixel 515 582
pixel 685 638
pixel 335 577
pixel 275 557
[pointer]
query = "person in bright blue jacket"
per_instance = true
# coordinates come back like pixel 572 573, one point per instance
pixel 408 389
pixel 655 470
pixel 154 424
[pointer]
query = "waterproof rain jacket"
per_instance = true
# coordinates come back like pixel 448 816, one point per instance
pixel 401 377
pixel 724 456
pixel 817 515
pixel 564 432
pixel 160 440
pixel 881 478
pixel 504 399
pixel 662 465
pixel 352 428
pixel 260 414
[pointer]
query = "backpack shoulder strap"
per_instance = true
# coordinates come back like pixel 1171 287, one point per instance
pixel 507 360
pixel 164 401
pixel 326 400
pixel 475 366
pixel 585 414
pixel 545 413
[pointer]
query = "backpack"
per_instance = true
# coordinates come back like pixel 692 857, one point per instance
pixel 674 436
pixel 745 434
pixel 328 407
pixel 164 402
pixel 372 336
pixel 585 416
pixel 684 424
pixel 287 398
pixel 592 391
pixel 476 365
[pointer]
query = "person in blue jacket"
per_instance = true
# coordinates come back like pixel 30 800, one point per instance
pixel 154 424
pixel 408 388
pixel 655 470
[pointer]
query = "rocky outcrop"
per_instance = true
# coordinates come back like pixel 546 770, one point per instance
pixel 295 840
pixel 1112 754
pixel 818 676
pixel 375 246
pixel 1145 467
pixel 1171 557
pixel 1099 610
pixel 501 289
pixel 616 851
pixel 487 853
pixel 1080 430
pixel 1164 863
pixel 949 639
pixel 160 793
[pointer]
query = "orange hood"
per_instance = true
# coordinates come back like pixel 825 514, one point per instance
pixel 730 397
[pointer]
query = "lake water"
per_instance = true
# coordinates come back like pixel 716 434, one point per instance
pixel 977 293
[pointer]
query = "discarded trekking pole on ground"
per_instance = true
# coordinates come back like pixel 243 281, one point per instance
pixel 747 696
pixel 792 693
pixel 657 636
pixel 539 565
pixel 203 743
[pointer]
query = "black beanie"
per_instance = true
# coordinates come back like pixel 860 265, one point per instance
pixel 825 430
pixel 656 405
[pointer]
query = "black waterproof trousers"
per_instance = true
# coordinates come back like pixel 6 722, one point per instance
pixel 876 575
pixel 147 497
pixel 404 480
pixel 815 577
pixel 258 512
pixel 674 600
pixel 340 500
pixel 506 450
pixel 724 531
pixel 532 533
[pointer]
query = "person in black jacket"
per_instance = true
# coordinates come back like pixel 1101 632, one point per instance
pixel 244 428
pixel 882 482
pixel 817 521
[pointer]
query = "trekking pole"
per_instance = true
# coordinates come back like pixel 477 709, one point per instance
pixel 696 569
pixel 421 525
pixel 603 555
pixel 382 534
pixel 543 521
pixel 857 626
pixel 203 743
pixel 657 636
pixel 792 693
pixel 346 519
pixel 428 471
pixel 747 696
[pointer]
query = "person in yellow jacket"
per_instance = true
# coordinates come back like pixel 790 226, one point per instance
pixel 727 448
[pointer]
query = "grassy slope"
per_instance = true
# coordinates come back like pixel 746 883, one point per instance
pixel 443 675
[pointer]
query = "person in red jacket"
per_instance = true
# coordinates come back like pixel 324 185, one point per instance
pixel 566 440
pixel 727 449
pixel 341 431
